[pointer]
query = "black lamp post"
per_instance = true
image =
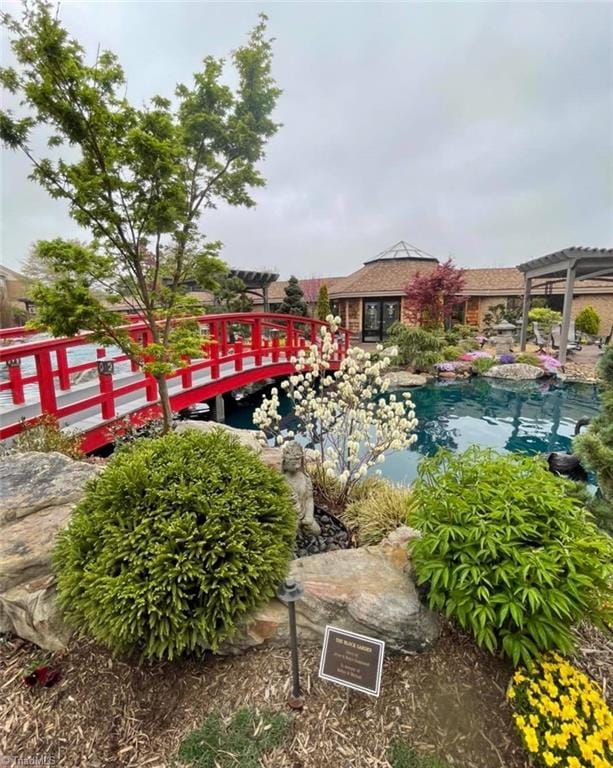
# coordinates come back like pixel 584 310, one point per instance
pixel 289 592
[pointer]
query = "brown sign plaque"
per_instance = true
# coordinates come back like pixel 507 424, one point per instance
pixel 352 660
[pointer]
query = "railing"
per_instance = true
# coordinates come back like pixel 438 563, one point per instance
pixel 228 339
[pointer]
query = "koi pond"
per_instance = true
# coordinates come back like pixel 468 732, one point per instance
pixel 526 416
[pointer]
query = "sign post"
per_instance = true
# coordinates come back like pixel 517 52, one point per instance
pixel 353 660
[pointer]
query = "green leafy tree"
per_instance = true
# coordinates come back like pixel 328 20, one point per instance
pixel 595 446
pixel 323 303
pixel 137 177
pixel 293 303
pixel 588 321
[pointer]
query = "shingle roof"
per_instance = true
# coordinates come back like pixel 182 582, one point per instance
pixel 503 281
pixel 381 278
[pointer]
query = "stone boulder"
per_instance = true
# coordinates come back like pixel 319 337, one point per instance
pixel 515 372
pixel 39 491
pixel 368 590
pixel 399 379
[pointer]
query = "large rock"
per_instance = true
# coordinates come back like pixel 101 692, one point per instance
pixel 515 372
pixel 39 490
pixel 368 590
pixel 399 379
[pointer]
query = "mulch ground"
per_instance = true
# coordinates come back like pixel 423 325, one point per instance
pixel 110 712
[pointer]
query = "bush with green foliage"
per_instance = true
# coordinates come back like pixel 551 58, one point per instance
pixel 44 435
pixel 508 550
pixel 595 446
pixel 377 507
pixel 528 358
pixel 546 319
pixel 452 353
pixel 174 543
pixel 481 365
pixel 469 345
pixel 588 321
pixel 240 743
pixel 459 332
pixel 403 755
pixel 416 347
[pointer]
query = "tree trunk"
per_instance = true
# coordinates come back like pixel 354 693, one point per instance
pixel 165 402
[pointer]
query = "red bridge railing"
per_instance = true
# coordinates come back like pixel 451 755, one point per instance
pixel 40 374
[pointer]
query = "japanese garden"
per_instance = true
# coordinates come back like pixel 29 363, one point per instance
pixel 360 520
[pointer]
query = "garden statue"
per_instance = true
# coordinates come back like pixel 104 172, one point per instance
pixel 301 485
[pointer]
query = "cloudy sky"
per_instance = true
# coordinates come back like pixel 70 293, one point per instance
pixel 478 130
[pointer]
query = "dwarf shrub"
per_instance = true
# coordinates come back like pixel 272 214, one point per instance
pixel 452 352
pixel 528 358
pixel 588 321
pixel 44 435
pixel 174 543
pixel 508 550
pixel 481 365
pixel 376 509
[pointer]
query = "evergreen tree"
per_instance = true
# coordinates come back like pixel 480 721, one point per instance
pixel 323 303
pixel 293 303
pixel 595 447
pixel 232 296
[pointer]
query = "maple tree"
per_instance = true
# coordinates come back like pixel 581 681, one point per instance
pixel 432 296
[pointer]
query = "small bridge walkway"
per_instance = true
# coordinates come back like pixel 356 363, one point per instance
pixel 90 389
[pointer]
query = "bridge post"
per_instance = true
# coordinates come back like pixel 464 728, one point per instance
pixel 289 339
pixel 238 355
pixel 186 373
pixel 214 355
pixel 313 333
pixel 46 388
pixel 62 368
pixel 14 368
pixel 275 345
pixel 256 340
pixel 105 378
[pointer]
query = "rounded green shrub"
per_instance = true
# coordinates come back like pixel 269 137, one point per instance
pixel 528 358
pixel 508 550
pixel 481 365
pixel 588 321
pixel 174 543
pixel 452 352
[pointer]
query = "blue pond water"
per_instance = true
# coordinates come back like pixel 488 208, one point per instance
pixel 529 417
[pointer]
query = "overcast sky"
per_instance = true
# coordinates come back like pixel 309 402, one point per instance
pixel 478 130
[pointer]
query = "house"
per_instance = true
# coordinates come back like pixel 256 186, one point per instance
pixel 14 306
pixel 370 299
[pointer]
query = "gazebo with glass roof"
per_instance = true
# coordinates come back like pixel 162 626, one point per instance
pixel 571 265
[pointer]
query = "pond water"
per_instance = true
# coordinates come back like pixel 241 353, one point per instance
pixel 529 417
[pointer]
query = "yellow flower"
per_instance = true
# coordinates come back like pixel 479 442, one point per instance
pixel 550 758
pixel 534 720
pixel 531 739
pixel 511 693
pixel 572 762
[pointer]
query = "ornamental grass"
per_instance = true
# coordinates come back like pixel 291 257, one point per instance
pixel 561 715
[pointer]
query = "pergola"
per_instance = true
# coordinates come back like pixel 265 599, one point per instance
pixel 256 283
pixel 571 265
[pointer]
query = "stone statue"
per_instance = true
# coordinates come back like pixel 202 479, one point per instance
pixel 301 485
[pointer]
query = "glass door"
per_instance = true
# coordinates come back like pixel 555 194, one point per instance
pixel 390 314
pixel 378 315
pixel 372 321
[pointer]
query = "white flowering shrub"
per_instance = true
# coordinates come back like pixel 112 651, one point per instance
pixel 343 413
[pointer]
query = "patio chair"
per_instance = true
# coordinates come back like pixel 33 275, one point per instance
pixel 540 339
pixel 571 343
pixel 605 341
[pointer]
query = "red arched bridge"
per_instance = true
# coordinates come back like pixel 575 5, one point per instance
pixel 90 388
